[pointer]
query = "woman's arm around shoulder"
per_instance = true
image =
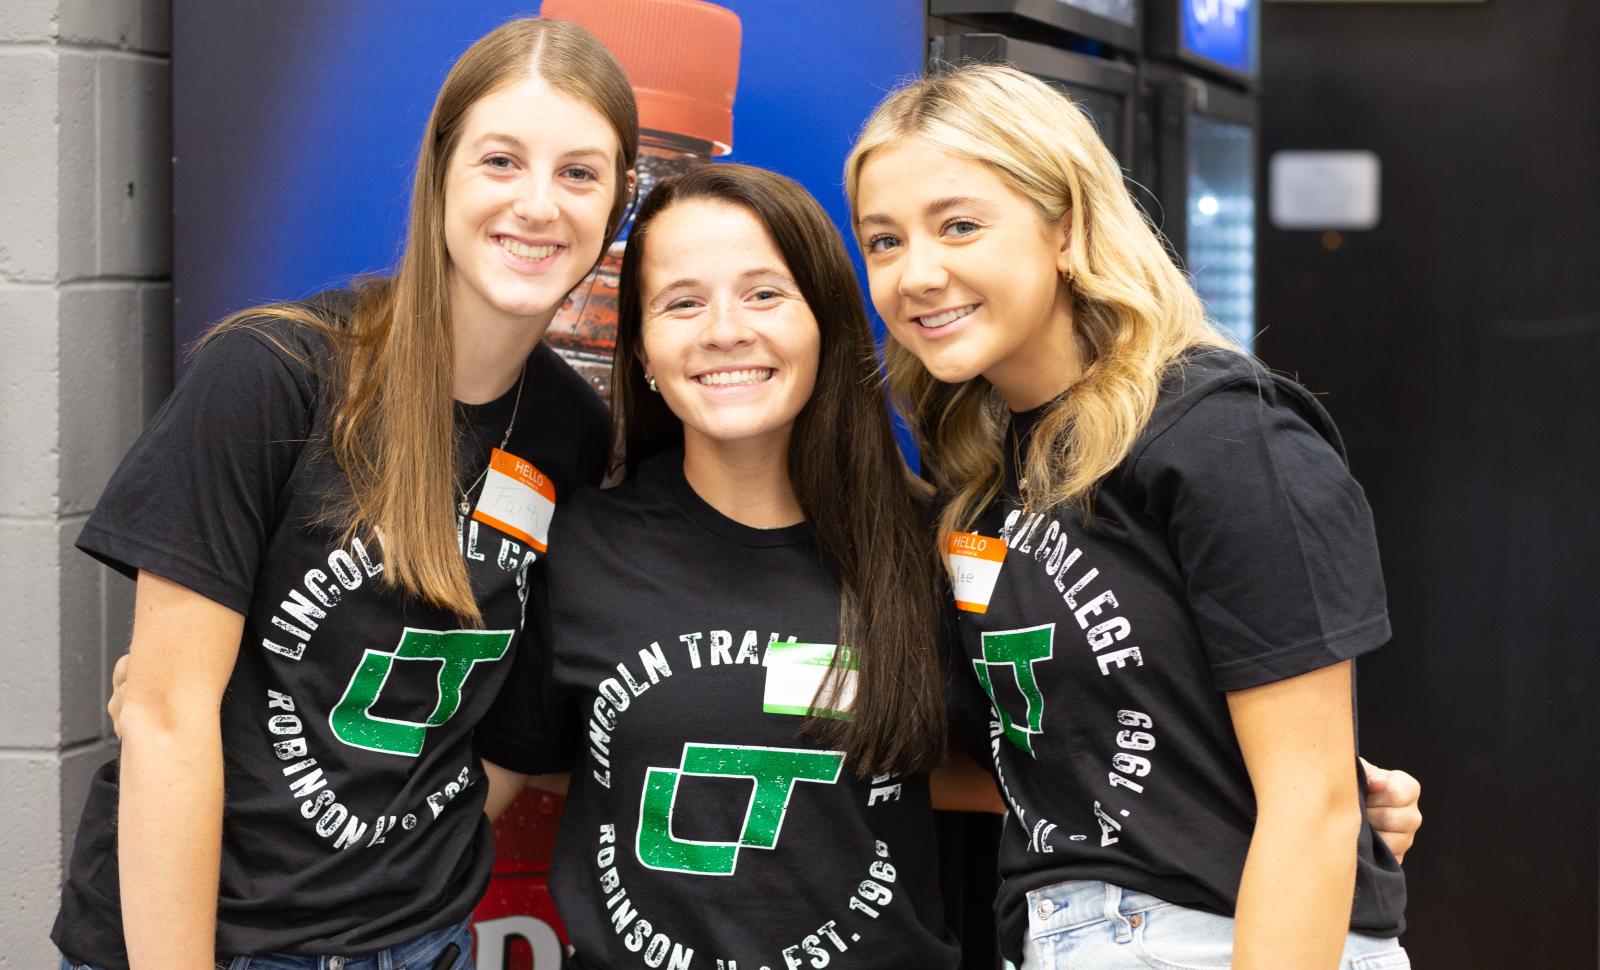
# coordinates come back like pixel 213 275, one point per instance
pixel 962 785
pixel 1394 800
pixel 505 785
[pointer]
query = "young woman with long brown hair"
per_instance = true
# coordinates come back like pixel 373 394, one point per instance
pixel 1163 565
pixel 333 523
pixel 745 676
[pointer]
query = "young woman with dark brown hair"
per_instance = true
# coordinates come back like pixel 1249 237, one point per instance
pixel 333 523
pixel 745 676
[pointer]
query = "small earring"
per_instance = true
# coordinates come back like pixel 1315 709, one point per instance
pixel 652 382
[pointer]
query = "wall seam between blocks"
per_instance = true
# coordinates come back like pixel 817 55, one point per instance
pixel 54 518
pixel 63 752
pixel 99 163
pixel 109 281
pixel 52 46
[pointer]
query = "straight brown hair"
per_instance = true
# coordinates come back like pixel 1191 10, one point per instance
pixel 393 428
pixel 861 502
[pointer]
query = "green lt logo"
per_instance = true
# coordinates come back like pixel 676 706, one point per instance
pixel 458 650
pixel 1019 650
pixel 773 771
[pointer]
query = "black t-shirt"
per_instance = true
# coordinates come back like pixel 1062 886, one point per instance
pixel 353 801
pixel 700 825
pixel 1230 549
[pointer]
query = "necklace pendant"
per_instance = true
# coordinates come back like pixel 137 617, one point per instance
pixel 464 508
pixel 1023 484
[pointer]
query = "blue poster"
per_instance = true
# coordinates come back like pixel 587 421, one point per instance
pixel 1222 31
pixel 296 124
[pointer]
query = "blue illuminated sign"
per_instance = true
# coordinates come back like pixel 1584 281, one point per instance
pixel 1222 31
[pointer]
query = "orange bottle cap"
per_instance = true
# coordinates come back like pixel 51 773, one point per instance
pixel 682 57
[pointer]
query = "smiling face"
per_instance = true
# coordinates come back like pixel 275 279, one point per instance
pixel 528 191
pixel 730 341
pixel 965 272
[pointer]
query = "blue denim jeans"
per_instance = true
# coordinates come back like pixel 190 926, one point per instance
pixel 422 953
pixel 1098 926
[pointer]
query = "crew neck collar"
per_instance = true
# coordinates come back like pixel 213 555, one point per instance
pixel 706 515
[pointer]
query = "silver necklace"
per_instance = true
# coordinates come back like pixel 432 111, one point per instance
pixel 465 507
pixel 1016 456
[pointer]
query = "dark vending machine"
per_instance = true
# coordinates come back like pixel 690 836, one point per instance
pixel 1087 49
pixel 1172 86
pixel 1106 90
pixel 1202 114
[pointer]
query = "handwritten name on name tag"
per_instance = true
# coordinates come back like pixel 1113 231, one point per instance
pixel 517 499
pixel 975 563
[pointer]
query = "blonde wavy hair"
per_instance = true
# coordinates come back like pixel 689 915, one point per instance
pixel 1134 313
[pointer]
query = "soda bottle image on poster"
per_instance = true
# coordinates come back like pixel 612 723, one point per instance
pixel 683 59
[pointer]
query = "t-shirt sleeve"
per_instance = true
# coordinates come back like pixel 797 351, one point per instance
pixel 531 726
pixel 1272 535
pixel 196 498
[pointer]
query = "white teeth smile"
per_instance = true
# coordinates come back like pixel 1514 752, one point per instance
pixel 731 378
pixel 524 251
pixel 946 318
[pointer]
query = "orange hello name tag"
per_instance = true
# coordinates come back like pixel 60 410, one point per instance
pixel 974 567
pixel 518 499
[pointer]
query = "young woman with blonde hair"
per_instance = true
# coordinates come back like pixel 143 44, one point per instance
pixel 1162 564
pixel 333 522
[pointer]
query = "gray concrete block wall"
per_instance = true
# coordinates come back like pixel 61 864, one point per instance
pixel 28 382
pixel 33 862
pixel 28 75
pixel 81 637
pixel 25 20
pixel 86 322
pixel 140 26
pixel 30 568
pixel 77 140
pixel 97 346
pixel 134 165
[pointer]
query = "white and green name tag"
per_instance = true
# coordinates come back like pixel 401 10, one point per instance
pixel 795 675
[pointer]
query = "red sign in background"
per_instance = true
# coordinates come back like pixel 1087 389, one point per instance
pixel 516 926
